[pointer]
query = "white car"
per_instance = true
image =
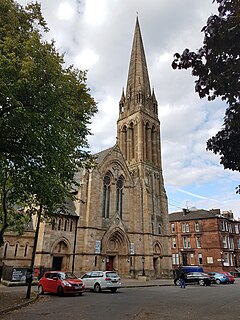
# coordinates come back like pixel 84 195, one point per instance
pixel 101 280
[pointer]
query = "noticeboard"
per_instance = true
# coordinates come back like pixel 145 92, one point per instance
pixel 19 274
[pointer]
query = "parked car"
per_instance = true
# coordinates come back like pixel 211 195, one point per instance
pixel 230 277
pixel 61 283
pixel 101 280
pixel 195 278
pixel 218 278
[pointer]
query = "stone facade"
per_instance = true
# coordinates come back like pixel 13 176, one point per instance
pixel 120 220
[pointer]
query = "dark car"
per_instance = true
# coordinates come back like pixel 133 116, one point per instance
pixel 195 278
pixel 61 283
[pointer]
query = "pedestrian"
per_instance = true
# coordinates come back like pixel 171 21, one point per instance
pixel 182 278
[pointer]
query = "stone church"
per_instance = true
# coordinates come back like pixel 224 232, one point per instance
pixel 120 221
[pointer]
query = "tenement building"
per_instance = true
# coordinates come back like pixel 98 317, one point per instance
pixel 210 239
pixel 120 220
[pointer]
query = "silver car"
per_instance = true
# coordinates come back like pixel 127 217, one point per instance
pixel 101 280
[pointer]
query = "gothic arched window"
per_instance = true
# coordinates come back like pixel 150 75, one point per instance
pixel 124 141
pixel 119 195
pixel 132 143
pixel 106 195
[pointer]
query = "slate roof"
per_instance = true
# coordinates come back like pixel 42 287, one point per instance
pixel 192 215
pixel 101 155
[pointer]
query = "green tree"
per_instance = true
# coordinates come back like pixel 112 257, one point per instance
pixel 217 66
pixel 45 111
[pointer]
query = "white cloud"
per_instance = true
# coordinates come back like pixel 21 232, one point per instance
pixel 65 11
pixel 95 12
pixel 86 59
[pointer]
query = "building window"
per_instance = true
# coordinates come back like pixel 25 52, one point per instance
pixel 175 258
pixel 159 229
pixel 226 260
pixel 174 242
pixel 238 243
pixel 197 227
pixel 226 225
pixel 198 242
pixel 231 243
pixel 222 226
pixel 230 227
pixel 200 260
pixel 53 224
pixel 16 250
pixel 185 227
pixel 132 134
pixel 59 224
pixel 191 259
pixel 236 229
pixel 71 226
pixel 26 249
pixel 5 250
pixel 65 225
pixel 186 242
pixel 225 242
pixel 106 196
pixel 119 197
pixel 173 227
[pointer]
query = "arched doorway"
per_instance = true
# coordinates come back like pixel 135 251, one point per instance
pixel 115 251
pixel 60 255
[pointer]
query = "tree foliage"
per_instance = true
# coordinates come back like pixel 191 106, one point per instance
pixel 45 110
pixel 217 68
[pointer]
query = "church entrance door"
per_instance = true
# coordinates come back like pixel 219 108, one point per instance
pixel 57 263
pixel 109 263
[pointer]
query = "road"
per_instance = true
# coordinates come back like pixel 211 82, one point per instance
pixel 217 302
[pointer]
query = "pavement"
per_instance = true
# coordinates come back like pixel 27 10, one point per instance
pixel 12 298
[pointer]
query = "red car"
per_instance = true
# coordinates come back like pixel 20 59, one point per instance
pixel 60 282
pixel 230 277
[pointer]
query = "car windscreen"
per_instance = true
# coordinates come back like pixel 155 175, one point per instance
pixel 67 275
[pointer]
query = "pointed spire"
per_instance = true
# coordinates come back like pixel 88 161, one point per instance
pixel 138 73
pixel 123 96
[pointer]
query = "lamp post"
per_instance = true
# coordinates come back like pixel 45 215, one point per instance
pixel 143 270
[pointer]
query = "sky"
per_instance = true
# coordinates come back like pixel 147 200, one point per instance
pixel 97 35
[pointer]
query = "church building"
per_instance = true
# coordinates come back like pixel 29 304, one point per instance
pixel 123 212
pixel 120 220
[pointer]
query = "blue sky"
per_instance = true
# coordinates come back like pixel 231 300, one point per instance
pixel 97 35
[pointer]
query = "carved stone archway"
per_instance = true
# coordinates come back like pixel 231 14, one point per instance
pixel 60 253
pixel 116 250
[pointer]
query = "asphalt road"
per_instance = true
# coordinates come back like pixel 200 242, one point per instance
pixel 217 302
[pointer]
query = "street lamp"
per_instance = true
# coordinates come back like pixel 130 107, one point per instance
pixel 143 270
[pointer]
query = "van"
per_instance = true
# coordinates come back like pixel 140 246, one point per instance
pixel 188 269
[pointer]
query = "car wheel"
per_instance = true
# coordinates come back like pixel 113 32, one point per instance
pixel 80 294
pixel 201 282
pixel 40 290
pixel 218 281
pixel 177 282
pixel 97 288
pixel 60 291
pixel 113 290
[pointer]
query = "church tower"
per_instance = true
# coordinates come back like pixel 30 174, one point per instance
pixel 138 131
pixel 139 137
